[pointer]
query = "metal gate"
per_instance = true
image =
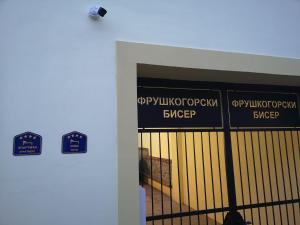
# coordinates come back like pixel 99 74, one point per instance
pixel 195 176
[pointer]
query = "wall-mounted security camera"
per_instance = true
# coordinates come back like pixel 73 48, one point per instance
pixel 96 11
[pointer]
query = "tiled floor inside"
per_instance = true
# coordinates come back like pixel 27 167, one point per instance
pixel 157 210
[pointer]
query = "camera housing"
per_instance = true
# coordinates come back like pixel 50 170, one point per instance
pixel 96 11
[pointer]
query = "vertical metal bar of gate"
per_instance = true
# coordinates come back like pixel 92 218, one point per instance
pixel 263 175
pixel 284 180
pixel 269 175
pixel 170 182
pixel 276 179
pixel 151 160
pixel 212 176
pixel 255 174
pixel 228 155
pixel 196 177
pixel 240 169
pixel 220 176
pixel 204 176
pixel 187 178
pixel 179 186
pixel 248 175
pixel 161 183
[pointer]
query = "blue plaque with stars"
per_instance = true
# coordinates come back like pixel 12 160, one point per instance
pixel 27 143
pixel 74 142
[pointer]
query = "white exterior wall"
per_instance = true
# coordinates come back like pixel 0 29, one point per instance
pixel 58 74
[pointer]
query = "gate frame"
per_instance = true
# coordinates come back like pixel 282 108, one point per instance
pixel 264 70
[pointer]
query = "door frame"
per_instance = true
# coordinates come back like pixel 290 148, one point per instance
pixel 260 70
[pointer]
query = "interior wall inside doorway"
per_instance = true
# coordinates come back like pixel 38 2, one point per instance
pixel 266 157
pixel 196 155
pixel 266 169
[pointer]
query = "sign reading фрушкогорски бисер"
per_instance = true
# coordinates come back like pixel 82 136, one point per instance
pixel 164 107
pixel 178 107
pixel 263 109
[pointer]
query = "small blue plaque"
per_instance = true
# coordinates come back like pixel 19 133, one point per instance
pixel 74 142
pixel 27 143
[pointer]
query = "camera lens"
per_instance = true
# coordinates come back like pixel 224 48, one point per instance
pixel 102 11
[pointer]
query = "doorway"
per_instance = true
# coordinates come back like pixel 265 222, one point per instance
pixel 208 148
pixel 170 62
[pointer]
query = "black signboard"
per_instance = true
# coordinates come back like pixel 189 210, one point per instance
pixel 263 109
pixel 161 107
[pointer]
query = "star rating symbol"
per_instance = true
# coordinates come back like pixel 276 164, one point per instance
pixel 75 136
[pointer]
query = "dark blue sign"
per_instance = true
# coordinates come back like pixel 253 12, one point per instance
pixel 74 142
pixel 27 143
pixel 263 109
pixel 161 107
